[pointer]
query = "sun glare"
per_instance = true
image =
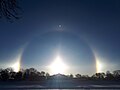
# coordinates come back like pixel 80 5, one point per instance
pixel 58 66
pixel 99 66
pixel 16 66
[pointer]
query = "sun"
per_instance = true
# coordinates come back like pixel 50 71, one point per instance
pixel 58 66
pixel 16 66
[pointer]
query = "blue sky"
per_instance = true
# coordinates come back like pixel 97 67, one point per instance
pixel 90 31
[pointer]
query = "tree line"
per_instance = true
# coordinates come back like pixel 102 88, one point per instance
pixel 32 74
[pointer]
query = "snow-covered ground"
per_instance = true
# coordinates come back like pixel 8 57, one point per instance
pixel 81 87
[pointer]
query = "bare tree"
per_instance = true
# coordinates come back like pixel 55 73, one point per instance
pixel 10 9
pixel 78 76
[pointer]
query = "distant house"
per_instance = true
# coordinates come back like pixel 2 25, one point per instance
pixel 59 76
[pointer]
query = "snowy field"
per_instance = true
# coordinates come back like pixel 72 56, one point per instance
pixel 63 85
pixel 39 87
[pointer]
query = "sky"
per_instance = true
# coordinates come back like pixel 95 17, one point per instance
pixel 85 34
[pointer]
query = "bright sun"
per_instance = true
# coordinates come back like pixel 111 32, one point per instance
pixel 58 66
pixel 16 66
